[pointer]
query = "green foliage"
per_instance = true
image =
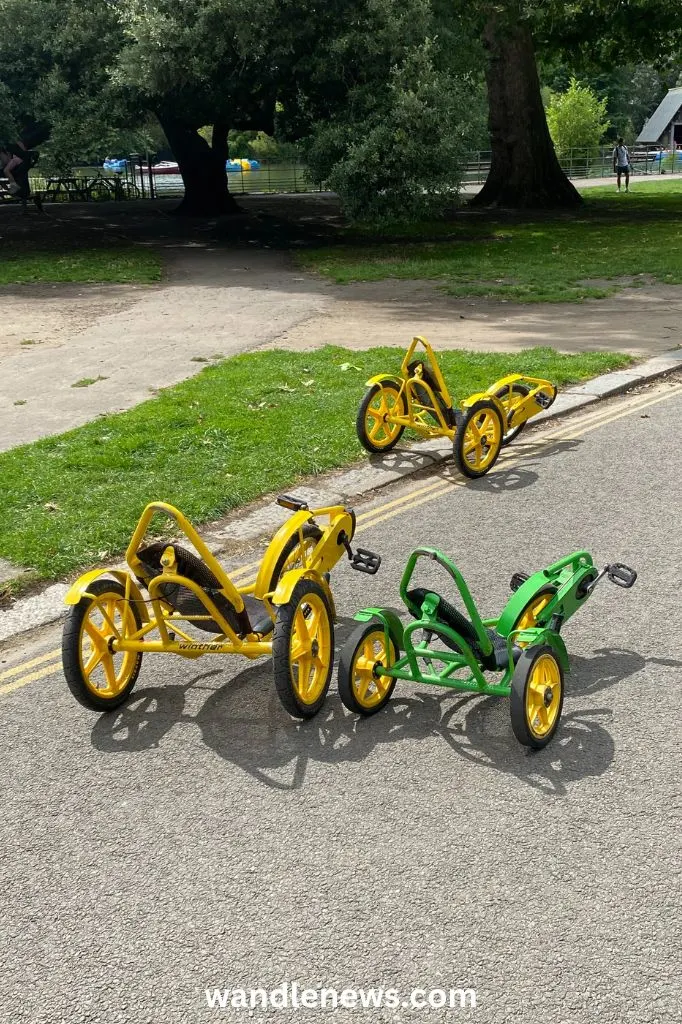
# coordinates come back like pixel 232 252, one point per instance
pixel 260 146
pixel 576 119
pixel 396 144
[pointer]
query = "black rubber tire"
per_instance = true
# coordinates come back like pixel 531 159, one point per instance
pixel 463 420
pixel 363 438
pixel 281 641
pixel 519 389
pixel 310 531
pixel 345 677
pixel 71 650
pixel 517 697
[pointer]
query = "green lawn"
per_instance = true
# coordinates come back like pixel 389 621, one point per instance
pixel 616 239
pixel 120 265
pixel 248 426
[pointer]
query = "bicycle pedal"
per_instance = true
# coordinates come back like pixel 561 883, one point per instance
pixel 621 575
pixel 544 400
pixel 365 561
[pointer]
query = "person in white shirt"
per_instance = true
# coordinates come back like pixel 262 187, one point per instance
pixel 621 163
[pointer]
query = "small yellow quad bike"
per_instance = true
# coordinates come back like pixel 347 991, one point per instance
pixel 170 596
pixel 418 398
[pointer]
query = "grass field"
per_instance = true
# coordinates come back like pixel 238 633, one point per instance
pixel 120 265
pixel 615 240
pixel 246 427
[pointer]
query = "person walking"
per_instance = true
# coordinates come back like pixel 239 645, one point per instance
pixel 621 163
pixel 15 163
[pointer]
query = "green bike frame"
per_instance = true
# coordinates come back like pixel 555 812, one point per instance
pixel 569 576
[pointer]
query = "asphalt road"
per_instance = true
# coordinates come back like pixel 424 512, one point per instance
pixel 200 838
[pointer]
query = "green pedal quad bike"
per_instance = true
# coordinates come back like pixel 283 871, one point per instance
pixel 523 643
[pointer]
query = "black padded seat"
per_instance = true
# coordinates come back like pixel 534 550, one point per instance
pixel 498 659
pixel 258 615
pixel 254 618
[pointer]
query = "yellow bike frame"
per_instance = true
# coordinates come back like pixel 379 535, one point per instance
pixel 314 564
pixel 410 387
pixel 416 413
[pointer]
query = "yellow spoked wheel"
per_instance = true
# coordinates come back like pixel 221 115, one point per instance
pixel 362 686
pixel 303 650
pixel 99 678
pixel 537 696
pixel 479 439
pixel 511 398
pixel 375 430
pixel 528 618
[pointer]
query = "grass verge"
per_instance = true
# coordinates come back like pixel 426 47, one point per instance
pixel 245 427
pixel 116 265
pixel 613 241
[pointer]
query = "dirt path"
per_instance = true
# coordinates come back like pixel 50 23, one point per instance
pixel 641 321
pixel 218 300
pixel 135 340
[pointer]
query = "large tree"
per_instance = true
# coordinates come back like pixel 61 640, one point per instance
pixel 524 169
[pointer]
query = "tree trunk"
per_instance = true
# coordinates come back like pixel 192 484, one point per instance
pixel 202 168
pixel 524 170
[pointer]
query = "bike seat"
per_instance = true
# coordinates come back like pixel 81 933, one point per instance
pixel 253 619
pixel 422 394
pixel 497 660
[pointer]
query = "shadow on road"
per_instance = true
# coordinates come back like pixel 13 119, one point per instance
pixel 244 724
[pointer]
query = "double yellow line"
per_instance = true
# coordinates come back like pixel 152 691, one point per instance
pixel 46 665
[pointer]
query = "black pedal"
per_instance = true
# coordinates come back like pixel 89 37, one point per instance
pixel 517 579
pixel 295 504
pixel 621 575
pixel 365 561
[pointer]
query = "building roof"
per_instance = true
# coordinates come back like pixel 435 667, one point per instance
pixel 661 117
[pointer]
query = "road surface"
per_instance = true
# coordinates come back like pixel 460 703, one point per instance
pixel 199 838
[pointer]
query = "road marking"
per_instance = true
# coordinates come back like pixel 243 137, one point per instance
pixel 28 664
pixel 390 509
pixel 25 680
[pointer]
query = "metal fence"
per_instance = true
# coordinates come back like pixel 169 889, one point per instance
pixel 589 163
pixel 93 184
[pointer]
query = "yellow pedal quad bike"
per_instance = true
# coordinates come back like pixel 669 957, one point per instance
pixel 170 598
pixel 418 398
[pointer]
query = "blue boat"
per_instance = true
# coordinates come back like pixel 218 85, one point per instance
pixel 117 166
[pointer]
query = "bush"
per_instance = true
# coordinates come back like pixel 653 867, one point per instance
pixel 576 119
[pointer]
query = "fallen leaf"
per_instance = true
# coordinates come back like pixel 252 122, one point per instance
pixel 348 366
pixel 307 383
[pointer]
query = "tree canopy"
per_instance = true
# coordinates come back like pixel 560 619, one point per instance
pixel 385 95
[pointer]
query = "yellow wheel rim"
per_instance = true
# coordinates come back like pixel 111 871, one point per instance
pixel 310 648
pixel 105 672
pixel 529 616
pixel 299 558
pixel 481 440
pixel 369 688
pixel 543 696
pixel 380 429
